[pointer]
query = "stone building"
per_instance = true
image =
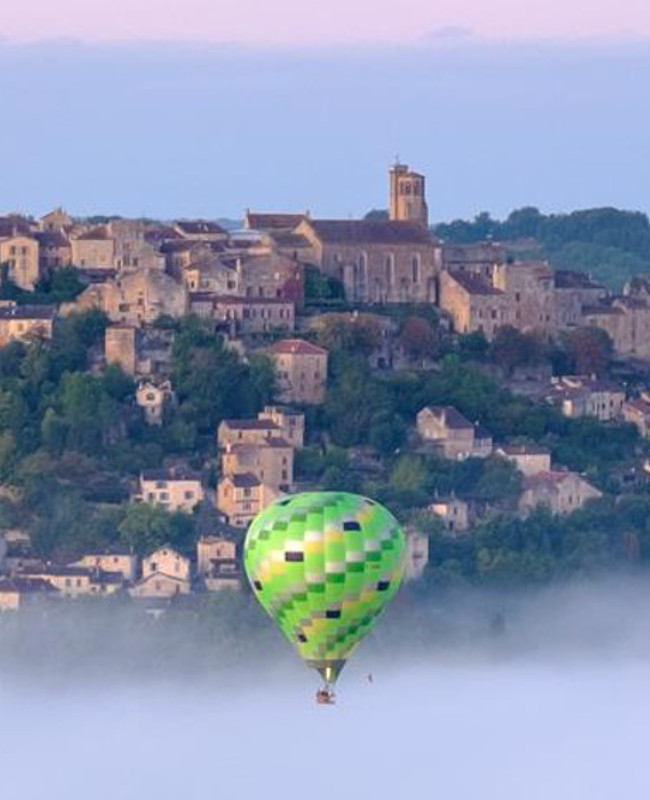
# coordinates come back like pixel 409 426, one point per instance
pixel 201 230
pixel 73 582
pixel 529 459
pixel 473 304
pixel 115 559
pixel 173 489
pixel 290 422
pixel 166 561
pixel 301 370
pixel 454 514
pixel 407 196
pixel 377 261
pixel 244 316
pixel 56 220
pixel 581 396
pixel 627 321
pixel 154 398
pixel 19 253
pixel 454 435
pixel 94 248
pixel 136 298
pixel 54 251
pixel 476 259
pixel 417 555
pixel 561 492
pixel 22 323
pixel 17 593
pixel 529 291
pixel 121 346
pixel 217 563
pixel 270 461
pixel 241 497
pixel 573 292
pixel 247 431
pixel 637 412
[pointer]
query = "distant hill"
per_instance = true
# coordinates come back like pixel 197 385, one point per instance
pixel 611 244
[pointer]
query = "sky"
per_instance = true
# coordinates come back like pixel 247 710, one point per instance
pixel 305 21
pixel 205 109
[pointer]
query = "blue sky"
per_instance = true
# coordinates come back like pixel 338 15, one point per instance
pixel 198 130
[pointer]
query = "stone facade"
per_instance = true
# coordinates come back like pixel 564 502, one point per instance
pixel 407 196
pixel 174 490
pixel 529 459
pixel 456 437
pixel 94 249
pixel 581 396
pixel 561 492
pixel 454 514
pixel 301 369
pixel 241 316
pixel 22 323
pixel 153 399
pixel 20 254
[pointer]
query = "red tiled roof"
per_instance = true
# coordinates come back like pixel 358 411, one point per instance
pixel 296 347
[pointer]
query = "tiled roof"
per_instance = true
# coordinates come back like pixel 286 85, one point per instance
pixel 173 474
pixel 28 312
pixel 452 418
pixel 52 239
pixel 390 232
pixel 269 222
pixel 245 481
pixel 251 424
pixel 195 227
pixel 296 347
pixel 94 234
pixel 475 285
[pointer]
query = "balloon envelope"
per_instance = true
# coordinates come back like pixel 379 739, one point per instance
pixel 324 565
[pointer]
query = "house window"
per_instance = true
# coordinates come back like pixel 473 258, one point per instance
pixel 189 495
pixel 415 269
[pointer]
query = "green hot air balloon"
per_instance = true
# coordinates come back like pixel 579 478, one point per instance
pixel 324 565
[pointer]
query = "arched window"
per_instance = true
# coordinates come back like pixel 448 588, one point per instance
pixel 363 269
pixel 390 269
pixel 415 268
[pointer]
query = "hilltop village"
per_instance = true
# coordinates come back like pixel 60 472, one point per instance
pixel 163 382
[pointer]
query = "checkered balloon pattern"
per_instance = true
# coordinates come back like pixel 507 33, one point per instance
pixel 324 565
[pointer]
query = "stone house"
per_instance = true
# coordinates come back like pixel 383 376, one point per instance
pixel 529 289
pixel 242 316
pixel 574 291
pixel 54 251
pixel 301 370
pixel 16 593
pixel 270 461
pixel 161 586
pixel 476 259
pixel 19 253
pixel 121 346
pixel 94 248
pixel 529 459
pixel 22 323
pixel 241 497
pixel 637 412
pixel 217 563
pixel 135 298
pixel 454 435
pixel 627 321
pixel 175 489
pixel 153 399
pixel 454 514
pixel 166 561
pixel 579 396
pixel 56 220
pixel 201 230
pixel 562 492
pixel 290 422
pixel 72 581
pixel 116 560
pixel 473 304
pixel 247 431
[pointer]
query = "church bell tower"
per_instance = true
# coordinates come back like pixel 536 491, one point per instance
pixel 408 196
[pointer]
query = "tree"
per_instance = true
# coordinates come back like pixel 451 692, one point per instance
pixel 352 333
pixel 511 349
pixel 146 527
pixel 590 350
pixel 418 338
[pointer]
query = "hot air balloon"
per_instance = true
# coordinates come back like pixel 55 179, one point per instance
pixel 324 565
